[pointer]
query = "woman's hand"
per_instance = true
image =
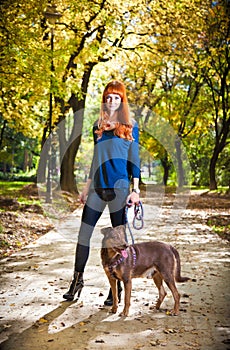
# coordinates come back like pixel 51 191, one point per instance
pixel 84 194
pixel 133 198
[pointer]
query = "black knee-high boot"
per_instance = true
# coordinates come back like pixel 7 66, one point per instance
pixel 81 257
pixel 75 287
pixel 109 300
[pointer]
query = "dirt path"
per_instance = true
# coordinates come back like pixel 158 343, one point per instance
pixel 34 315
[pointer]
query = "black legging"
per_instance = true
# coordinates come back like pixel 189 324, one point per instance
pixel 93 209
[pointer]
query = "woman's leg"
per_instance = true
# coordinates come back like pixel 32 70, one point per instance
pixel 117 207
pixel 89 219
pixel 90 216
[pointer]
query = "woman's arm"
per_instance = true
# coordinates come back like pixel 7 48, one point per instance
pixel 136 183
pixel 134 196
pixel 134 163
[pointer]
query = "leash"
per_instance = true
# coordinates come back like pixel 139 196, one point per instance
pixel 138 219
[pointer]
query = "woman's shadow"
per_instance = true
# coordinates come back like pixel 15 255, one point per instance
pixel 78 335
pixel 38 336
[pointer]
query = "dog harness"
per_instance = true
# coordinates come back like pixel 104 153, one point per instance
pixel 124 255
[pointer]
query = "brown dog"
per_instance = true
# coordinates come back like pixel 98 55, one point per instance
pixel 153 259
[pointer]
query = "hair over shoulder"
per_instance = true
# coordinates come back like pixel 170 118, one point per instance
pixel 124 125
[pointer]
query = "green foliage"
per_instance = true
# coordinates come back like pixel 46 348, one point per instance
pixel 173 58
pixel 11 188
pixel 1 231
pixel 16 190
pixel 18 153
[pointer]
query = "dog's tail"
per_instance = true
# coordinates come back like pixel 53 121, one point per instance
pixel 178 276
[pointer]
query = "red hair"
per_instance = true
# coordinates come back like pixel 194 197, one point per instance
pixel 123 127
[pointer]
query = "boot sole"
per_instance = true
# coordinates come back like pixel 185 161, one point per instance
pixel 68 298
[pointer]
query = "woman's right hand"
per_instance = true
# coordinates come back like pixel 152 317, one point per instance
pixel 84 194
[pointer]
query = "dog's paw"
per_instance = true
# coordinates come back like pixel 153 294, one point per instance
pixel 156 306
pixel 113 310
pixel 124 313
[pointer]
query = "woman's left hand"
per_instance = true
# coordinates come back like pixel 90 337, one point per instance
pixel 133 198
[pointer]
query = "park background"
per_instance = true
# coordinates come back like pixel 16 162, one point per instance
pixel 55 62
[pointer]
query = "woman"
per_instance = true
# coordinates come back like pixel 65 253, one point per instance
pixel 115 162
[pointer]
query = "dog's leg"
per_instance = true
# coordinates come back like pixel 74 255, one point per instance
pixel 113 285
pixel 128 289
pixel 176 296
pixel 162 293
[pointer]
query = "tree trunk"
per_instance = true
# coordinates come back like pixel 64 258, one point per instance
pixel 166 166
pixel 67 179
pixel 41 172
pixel 149 167
pixel 69 151
pixel 180 169
pixel 26 160
pixel 221 142
pixel 212 170
pixel 213 183
pixel 2 133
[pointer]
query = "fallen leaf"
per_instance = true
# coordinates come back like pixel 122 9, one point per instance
pixel 42 320
pixel 167 331
pixel 5 326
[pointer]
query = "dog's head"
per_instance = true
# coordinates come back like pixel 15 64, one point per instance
pixel 114 238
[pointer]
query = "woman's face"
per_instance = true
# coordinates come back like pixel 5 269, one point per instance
pixel 113 102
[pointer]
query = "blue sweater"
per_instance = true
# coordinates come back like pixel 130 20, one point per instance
pixel 115 160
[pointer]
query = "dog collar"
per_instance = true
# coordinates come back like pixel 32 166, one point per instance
pixel 116 263
pixel 124 255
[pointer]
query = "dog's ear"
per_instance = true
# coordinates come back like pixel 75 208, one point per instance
pixel 106 230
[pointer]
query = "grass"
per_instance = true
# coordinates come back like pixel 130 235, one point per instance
pixel 13 189
pixel 221 189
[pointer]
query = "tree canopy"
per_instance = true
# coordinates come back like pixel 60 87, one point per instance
pixel 173 57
